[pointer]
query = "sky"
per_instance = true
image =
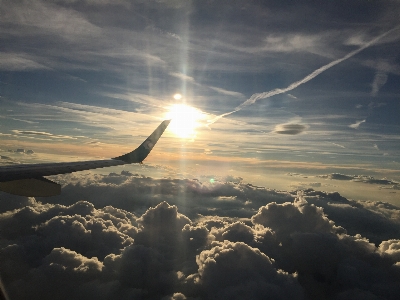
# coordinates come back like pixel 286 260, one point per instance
pixel 281 156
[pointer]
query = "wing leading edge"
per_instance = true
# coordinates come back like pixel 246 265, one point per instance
pixel 27 179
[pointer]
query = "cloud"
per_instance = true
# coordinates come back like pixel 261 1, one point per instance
pixel 42 133
pixel 380 79
pixel 255 97
pixel 183 77
pixel 337 176
pixel 383 68
pixel 357 124
pixel 338 145
pixel 19 62
pixel 94 2
pixel 361 178
pixel 225 92
pixel 236 270
pixel 226 197
pixel 40 15
pixel 311 245
pixel 290 129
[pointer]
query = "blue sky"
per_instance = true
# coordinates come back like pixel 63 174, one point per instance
pixel 91 78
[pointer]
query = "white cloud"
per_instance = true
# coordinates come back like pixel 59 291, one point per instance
pixel 183 77
pixel 19 62
pixel 258 96
pixel 42 133
pixel 40 17
pixel 356 124
pixel 226 92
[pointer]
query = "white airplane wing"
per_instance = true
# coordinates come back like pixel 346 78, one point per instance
pixel 27 179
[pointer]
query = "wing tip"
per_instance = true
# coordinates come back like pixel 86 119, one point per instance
pixel 141 152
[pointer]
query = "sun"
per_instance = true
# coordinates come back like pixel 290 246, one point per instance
pixel 184 120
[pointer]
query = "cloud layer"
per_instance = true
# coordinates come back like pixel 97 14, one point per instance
pixel 129 238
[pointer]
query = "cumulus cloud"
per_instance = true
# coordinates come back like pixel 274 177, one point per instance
pixel 135 241
pixel 290 129
pixel 236 271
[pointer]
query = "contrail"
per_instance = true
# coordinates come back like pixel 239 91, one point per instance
pixel 258 96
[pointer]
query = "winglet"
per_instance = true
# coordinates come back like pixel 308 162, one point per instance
pixel 141 152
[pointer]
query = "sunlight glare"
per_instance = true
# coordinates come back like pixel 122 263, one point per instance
pixel 184 120
pixel 177 96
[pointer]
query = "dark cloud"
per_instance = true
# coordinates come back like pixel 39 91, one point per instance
pixel 290 129
pixel 338 176
pixel 362 178
pixel 236 271
pixel 313 245
pixel 374 220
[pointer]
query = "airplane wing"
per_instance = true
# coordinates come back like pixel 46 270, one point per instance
pixel 27 179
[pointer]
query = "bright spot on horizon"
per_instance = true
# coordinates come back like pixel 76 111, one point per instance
pixel 177 96
pixel 184 120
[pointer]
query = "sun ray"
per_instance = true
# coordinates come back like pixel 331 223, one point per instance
pixel 184 120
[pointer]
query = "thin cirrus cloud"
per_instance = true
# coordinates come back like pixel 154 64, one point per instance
pixel 190 79
pixel 19 62
pixel 255 97
pixel 48 17
pixel 42 133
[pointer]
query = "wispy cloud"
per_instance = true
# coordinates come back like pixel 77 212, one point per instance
pixel 20 120
pixel 40 16
pixel 42 133
pixel 383 67
pixel 183 77
pixel 19 62
pixel 255 97
pixel 190 79
pixel 226 92
pixel 338 145
pixel 380 79
pixel 356 124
